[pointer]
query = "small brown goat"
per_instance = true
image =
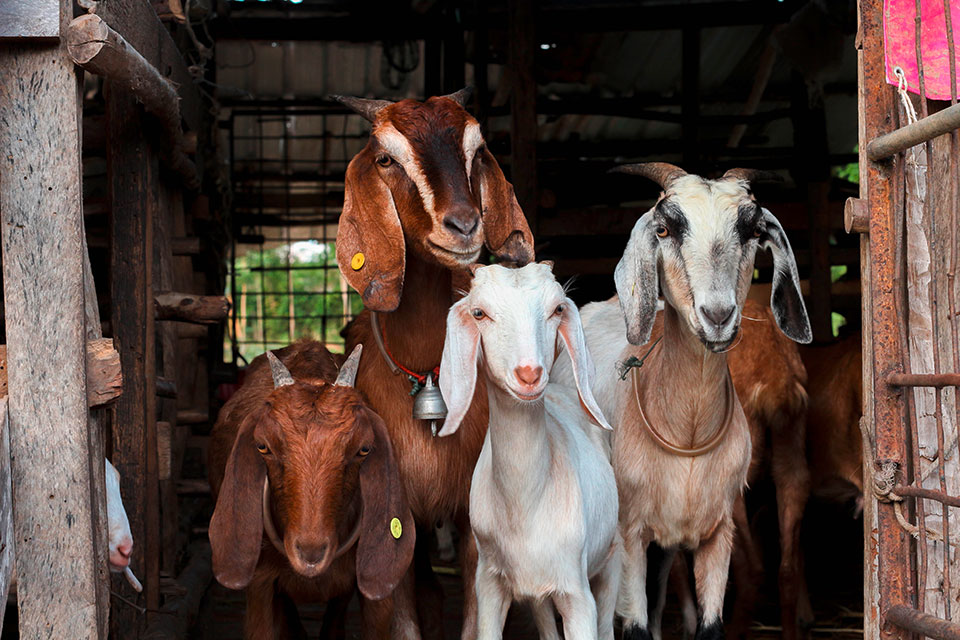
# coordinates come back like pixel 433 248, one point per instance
pixel 421 200
pixel 297 454
pixel 834 442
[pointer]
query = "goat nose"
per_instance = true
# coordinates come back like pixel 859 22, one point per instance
pixel 718 315
pixel 125 548
pixel 462 222
pixel 311 553
pixel 528 375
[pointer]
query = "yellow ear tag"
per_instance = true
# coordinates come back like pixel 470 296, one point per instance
pixel 396 529
pixel 356 263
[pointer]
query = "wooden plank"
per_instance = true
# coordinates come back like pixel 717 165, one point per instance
pixel 43 269
pixel 104 377
pixel 37 19
pixel 7 544
pixel 133 177
pixel 188 307
pixel 139 25
pixel 522 43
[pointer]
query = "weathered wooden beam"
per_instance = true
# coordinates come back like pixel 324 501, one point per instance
pixel 59 571
pixel 133 176
pixel 164 449
pixel 192 331
pixel 192 416
pixel 104 378
pixel 96 47
pixel 186 307
pixel 166 388
pixel 7 555
pixel 137 22
pixel 35 20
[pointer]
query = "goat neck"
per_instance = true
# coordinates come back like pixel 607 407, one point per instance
pixel 414 333
pixel 685 392
pixel 519 446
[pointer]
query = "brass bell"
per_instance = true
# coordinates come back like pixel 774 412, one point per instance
pixel 428 404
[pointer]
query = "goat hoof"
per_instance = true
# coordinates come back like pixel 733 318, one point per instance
pixel 636 632
pixel 712 631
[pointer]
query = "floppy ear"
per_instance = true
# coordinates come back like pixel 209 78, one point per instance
pixel 385 550
pixel 571 330
pixel 236 528
pixel 458 367
pixel 637 280
pixel 508 235
pixel 785 297
pixel 370 246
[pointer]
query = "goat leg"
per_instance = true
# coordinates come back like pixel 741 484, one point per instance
pixel 493 603
pixel 545 618
pixel 376 615
pixel 632 599
pixel 405 625
pixel 468 565
pixel 604 586
pixel 658 597
pixel 428 602
pixel 747 568
pixel 711 566
pixel 579 612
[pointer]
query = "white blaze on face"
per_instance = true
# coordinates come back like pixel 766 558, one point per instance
pixel 400 149
pixel 119 537
pixel 472 139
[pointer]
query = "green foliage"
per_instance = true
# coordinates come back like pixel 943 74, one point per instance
pixel 849 172
pixel 837 320
pixel 265 279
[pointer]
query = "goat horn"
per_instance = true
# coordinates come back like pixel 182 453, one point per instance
pixel 348 372
pixel 364 106
pixel 281 375
pixel 663 173
pixel 752 175
pixel 461 97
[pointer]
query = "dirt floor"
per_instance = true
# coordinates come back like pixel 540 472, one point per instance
pixel 831 536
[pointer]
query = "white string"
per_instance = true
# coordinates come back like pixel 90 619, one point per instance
pixel 902 87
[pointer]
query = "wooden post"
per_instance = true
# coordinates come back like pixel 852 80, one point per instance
pixel 521 29
pixel 59 566
pixel 7 555
pixel 132 171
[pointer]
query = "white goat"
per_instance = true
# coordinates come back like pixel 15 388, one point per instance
pixel 543 500
pixel 681 447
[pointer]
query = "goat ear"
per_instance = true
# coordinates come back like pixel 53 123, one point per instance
pixel 458 367
pixel 637 280
pixel 236 527
pixel 387 531
pixel 508 235
pixel 571 331
pixel 370 246
pixel 785 297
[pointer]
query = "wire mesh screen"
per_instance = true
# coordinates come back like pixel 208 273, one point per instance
pixel 287 168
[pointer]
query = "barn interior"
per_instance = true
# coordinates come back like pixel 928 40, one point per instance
pixel 211 244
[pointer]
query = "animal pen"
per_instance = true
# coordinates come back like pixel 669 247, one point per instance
pixel 171 183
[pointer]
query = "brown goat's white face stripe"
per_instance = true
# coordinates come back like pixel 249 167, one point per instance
pixel 472 139
pixel 400 149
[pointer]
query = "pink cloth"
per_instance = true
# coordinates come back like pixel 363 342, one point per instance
pixel 899 35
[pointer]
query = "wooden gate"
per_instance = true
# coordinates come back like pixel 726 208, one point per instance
pixel 908 216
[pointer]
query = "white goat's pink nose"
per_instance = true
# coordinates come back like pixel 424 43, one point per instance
pixel 528 375
pixel 125 548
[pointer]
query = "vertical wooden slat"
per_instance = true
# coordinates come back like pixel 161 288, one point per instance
pixel 7 557
pixel 42 227
pixel 133 176
pixel 522 38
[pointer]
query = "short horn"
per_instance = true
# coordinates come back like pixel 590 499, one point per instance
pixel 461 97
pixel 753 175
pixel 663 173
pixel 364 106
pixel 281 375
pixel 348 372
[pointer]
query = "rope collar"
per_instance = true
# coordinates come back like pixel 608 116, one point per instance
pixel 417 379
pixel 687 452
pixel 277 541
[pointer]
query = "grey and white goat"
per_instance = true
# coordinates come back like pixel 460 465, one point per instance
pixel 543 500
pixel 681 445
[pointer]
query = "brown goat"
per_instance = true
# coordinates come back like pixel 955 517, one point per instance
pixel 297 446
pixel 421 200
pixel 834 442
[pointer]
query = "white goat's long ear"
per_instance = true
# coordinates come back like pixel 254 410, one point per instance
pixel 571 331
pixel 348 371
pixel 281 375
pixel 637 281
pixel 458 366
pixel 785 297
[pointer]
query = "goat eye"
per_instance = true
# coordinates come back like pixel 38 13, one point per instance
pixel 559 310
pixel 384 160
pixel 478 314
pixel 262 448
pixel 662 231
pixel 757 231
pixel 364 450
